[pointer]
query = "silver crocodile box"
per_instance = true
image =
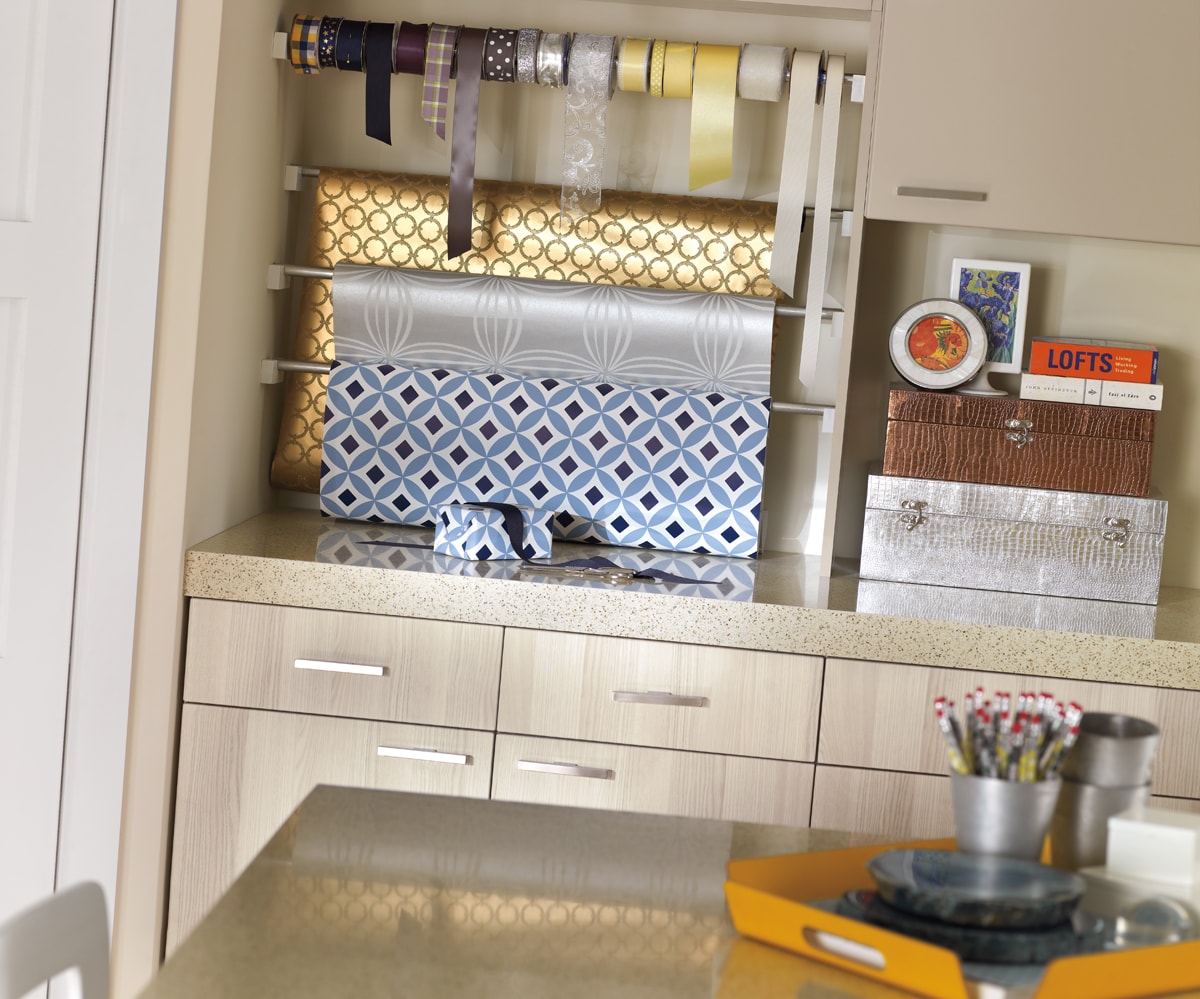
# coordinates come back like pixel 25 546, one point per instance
pixel 1013 539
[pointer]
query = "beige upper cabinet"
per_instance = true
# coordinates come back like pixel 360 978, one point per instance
pixel 1077 116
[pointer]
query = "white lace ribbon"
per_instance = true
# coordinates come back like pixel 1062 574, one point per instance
pixel 591 80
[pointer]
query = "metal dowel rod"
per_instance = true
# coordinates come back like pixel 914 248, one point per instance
pixel 798 408
pixel 297 270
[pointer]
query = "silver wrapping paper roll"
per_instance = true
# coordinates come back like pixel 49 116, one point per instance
pixel 631 336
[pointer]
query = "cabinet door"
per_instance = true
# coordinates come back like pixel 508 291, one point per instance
pixel 661 694
pixel 241 773
pixel 339 663
pixel 1077 116
pixel 660 781
pixel 880 715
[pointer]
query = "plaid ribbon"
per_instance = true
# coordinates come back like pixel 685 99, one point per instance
pixel 439 54
pixel 302 44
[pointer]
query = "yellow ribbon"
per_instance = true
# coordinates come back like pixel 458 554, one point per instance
pixel 677 72
pixel 633 65
pixel 714 94
pixel 658 63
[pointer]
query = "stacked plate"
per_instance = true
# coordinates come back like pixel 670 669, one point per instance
pixel 985 909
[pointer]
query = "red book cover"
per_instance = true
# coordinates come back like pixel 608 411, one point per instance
pixel 1104 360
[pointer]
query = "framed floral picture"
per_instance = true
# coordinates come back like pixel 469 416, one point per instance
pixel 998 292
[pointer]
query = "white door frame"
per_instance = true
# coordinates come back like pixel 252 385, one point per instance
pixel 123 327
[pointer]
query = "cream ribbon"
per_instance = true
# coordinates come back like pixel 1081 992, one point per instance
pixel 714 95
pixel 793 182
pixel 818 261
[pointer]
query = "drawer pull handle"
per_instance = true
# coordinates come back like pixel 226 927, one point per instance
pixel 660 697
pixel 431 755
pixel 941 192
pixel 331 667
pixel 566 769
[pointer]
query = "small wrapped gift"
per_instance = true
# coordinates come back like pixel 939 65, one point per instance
pixel 485 531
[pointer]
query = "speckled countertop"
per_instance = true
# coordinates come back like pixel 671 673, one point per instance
pixel 775 603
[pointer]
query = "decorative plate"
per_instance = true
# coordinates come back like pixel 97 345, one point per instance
pixel 973 890
pixel 938 344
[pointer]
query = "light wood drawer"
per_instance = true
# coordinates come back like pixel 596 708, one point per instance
pixel 880 715
pixel 882 803
pixel 241 773
pixel 611 690
pixel 661 781
pixel 410 670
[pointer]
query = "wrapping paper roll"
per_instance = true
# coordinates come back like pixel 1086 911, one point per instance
pixel 645 467
pixel 638 240
pixel 762 72
pixel 635 336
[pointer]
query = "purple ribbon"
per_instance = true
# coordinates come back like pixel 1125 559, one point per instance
pixel 410 48
pixel 469 63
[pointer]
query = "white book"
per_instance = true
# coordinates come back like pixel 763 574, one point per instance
pixel 1059 388
pixel 1131 395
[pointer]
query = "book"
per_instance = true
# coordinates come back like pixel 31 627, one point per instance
pixel 1106 360
pixel 1091 391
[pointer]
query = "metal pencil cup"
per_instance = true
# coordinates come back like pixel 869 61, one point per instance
pixel 1079 829
pixel 1112 751
pixel 1002 818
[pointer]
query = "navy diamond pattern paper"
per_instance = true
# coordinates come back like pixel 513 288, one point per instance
pixel 652 468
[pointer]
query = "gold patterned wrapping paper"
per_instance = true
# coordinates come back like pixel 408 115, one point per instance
pixel 394 220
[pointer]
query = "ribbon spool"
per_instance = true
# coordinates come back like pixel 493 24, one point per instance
pixel 469 57
pixel 527 50
pixel 633 65
pixel 379 47
pixel 500 55
pixel 658 66
pixel 409 54
pixel 348 46
pixel 304 43
pixel 326 41
pixel 762 72
pixel 678 63
pixel 714 96
pixel 797 151
pixel 439 57
pixel 585 118
pixel 822 210
pixel 552 59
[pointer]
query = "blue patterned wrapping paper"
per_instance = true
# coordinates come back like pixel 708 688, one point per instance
pixel 640 467
pixel 467 530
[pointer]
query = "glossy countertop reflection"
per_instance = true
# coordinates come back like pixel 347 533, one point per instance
pixel 383 894
pixel 778 602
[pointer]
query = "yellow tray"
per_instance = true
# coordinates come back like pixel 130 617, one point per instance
pixel 767 899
